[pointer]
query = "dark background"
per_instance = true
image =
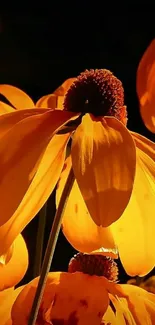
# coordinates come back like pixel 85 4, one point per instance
pixel 39 50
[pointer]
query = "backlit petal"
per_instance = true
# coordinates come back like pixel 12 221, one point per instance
pixel 144 144
pixel 5 108
pixel 16 97
pixel 104 157
pixel 78 227
pixel 39 190
pixel 19 161
pixel 68 299
pixel 56 99
pixel 7 298
pixel 14 269
pixel 7 121
pixel 134 232
pixel 146 86
pixel 141 304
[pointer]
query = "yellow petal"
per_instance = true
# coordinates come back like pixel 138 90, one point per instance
pixel 146 86
pixel 16 97
pixel 144 144
pixel 134 232
pixel 104 158
pixel 7 298
pixel 56 99
pixel 19 161
pixel 68 298
pixel 7 121
pixel 15 268
pixel 5 108
pixel 141 304
pixel 39 190
pixel 78 227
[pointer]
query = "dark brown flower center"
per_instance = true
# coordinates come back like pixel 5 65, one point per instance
pixel 94 265
pixel 98 92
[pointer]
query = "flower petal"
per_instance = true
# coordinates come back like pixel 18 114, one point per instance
pixel 14 269
pixel 7 121
pixel 68 299
pixel 146 86
pixel 78 227
pixel 7 298
pixel 42 185
pixel 134 232
pixel 141 304
pixel 56 99
pixel 18 98
pixel 144 144
pixel 5 108
pixel 104 158
pixel 19 162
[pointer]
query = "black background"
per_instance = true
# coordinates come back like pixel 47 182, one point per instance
pixel 40 49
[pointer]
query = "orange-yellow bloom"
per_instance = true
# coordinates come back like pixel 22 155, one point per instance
pixel 80 298
pixel 7 299
pixel 13 265
pixel 146 86
pixel 103 155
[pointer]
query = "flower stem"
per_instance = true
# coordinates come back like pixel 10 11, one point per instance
pixel 40 241
pixel 50 249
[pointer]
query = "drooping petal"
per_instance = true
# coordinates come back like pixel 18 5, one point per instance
pixel 141 304
pixel 104 157
pixel 146 86
pixel 7 121
pixel 15 268
pixel 134 232
pixel 19 162
pixel 144 144
pixel 5 108
pixel 78 227
pixel 39 190
pixel 56 99
pixel 7 299
pixel 68 299
pixel 17 97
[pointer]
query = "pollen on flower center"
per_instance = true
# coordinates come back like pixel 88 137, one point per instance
pixel 94 265
pixel 98 92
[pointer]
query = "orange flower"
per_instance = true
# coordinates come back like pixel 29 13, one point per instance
pixel 103 157
pixel 7 298
pixel 80 298
pixel 18 99
pixel 146 86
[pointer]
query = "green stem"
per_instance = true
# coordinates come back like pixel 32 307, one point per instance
pixel 50 249
pixel 40 241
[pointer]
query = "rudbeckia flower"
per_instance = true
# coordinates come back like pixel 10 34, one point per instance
pixel 87 294
pixel 14 264
pixel 146 86
pixel 7 298
pixel 104 156
pixel 18 99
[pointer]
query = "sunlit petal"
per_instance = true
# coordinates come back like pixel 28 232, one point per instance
pixel 5 108
pixel 144 144
pixel 134 232
pixel 19 161
pixel 68 298
pixel 104 157
pixel 78 227
pixel 7 298
pixel 39 190
pixel 146 86
pixel 56 99
pixel 141 304
pixel 15 268
pixel 7 121
pixel 16 97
